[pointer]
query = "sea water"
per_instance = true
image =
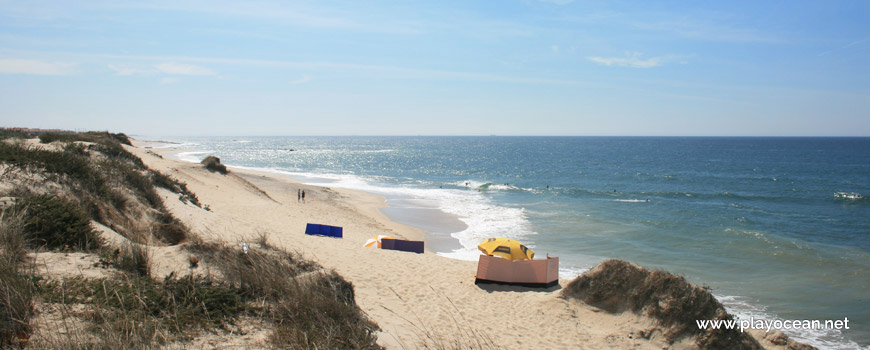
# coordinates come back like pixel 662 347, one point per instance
pixel 779 228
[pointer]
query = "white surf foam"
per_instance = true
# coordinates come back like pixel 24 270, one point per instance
pixel 632 200
pixel 168 144
pixel 570 273
pixel 192 157
pixel 482 218
pixel 848 195
pixel 746 309
pixel 489 186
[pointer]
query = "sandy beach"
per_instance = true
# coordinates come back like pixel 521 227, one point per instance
pixel 416 299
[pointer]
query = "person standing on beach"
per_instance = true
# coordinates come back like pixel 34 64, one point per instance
pixel 303 196
pixel 298 194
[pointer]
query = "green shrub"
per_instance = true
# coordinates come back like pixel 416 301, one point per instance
pixel 50 137
pixel 57 224
pixel 90 136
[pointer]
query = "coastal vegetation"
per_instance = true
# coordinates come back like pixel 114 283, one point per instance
pixel 95 174
pixel 57 191
pixel 310 307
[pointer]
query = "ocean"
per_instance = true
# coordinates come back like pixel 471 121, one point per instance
pixel 779 228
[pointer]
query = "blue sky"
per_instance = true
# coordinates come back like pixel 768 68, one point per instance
pixel 521 67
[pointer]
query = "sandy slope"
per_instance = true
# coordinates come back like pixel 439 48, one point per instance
pixel 409 295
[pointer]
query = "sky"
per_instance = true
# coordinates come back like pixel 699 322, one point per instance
pixel 508 67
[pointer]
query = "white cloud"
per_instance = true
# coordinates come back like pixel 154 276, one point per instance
pixel 183 69
pixel 20 66
pixel 302 80
pixel 127 70
pixel 166 81
pixel 633 60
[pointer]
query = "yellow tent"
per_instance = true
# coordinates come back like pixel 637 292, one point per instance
pixel 506 248
pixel 375 241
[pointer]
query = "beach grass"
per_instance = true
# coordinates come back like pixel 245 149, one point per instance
pixel 310 307
pixel 16 287
pixel 617 286
pixel 106 181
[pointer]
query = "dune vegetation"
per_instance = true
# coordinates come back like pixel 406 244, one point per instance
pixel 58 190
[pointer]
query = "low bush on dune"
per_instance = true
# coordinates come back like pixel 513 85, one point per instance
pixel 90 136
pixel 213 163
pixel 618 286
pixel 54 223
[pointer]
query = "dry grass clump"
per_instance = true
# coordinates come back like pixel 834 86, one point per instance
pixel 13 241
pixel 16 288
pixel 311 308
pixel 184 194
pixel 134 259
pixel 16 304
pixel 617 286
pixel 139 310
pixel 214 164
